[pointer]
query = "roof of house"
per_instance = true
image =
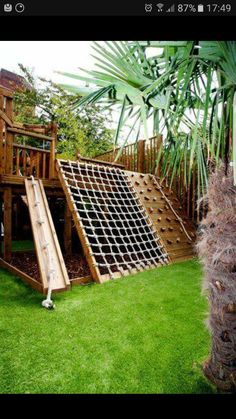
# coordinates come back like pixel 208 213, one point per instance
pixel 12 80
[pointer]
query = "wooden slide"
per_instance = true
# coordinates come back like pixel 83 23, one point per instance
pixel 50 259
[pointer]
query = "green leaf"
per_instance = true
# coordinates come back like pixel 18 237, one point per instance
pixel 159 101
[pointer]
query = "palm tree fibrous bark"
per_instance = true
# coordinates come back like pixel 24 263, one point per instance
pixel 217 249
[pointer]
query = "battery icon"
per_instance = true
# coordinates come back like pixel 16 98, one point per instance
pixel 200 8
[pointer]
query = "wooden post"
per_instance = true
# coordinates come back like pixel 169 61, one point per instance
pixel 78 155
pixel 7 224
pixel 1 136
pixel 195 211
pixel 9 138
pixel 141 156
pixel 1 221
pixel 159 140
pixel 53 151
pixel 67 230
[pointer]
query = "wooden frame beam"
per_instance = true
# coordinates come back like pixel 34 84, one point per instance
pixel 141 156
pixel 67 230
pixel 20 180
pixel 19 131
pixel 1 222
pixel 26 278
pixel 7 224
pixel 104 163
pixel 6 92
pixel 9 139
pixel 1 137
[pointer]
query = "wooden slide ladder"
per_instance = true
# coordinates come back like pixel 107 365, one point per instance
pixel 50 260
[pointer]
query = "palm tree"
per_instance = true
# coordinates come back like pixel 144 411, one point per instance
pixel 217 248
pixel 188 89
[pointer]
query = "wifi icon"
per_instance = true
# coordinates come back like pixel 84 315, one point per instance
pixel 160 7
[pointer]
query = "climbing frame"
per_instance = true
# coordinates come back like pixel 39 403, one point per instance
pixel 115 230
pixel 171 223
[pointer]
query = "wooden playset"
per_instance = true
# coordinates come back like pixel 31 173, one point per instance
pixel 124 221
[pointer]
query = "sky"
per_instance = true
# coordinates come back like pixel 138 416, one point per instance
pixel 46 57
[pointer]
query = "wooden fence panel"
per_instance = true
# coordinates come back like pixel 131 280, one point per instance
pixel 138 157
pixel 141 157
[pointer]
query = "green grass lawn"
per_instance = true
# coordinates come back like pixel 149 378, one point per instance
pixel 22 245
pixel 140 334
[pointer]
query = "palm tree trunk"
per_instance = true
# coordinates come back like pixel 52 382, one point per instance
pixel 217 249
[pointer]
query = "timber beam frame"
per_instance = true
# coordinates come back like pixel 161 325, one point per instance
pixel 12 180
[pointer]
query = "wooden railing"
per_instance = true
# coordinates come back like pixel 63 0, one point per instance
pixel 137 157
pixel 189 194
pixel 23 159
pixel 29 161
pixel 141 157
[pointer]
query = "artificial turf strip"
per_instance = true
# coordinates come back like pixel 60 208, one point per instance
pixel 141 334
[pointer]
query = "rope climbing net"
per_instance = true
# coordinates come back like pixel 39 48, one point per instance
pixel 119 232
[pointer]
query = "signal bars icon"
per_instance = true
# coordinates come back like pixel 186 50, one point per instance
pixel 171 9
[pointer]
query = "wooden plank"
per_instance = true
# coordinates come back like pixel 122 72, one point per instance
pixel 38 156
pixel 182 259
pixel 175 249
pixel 67 230
pixel 24 162
pixel 19 131
pixel 44 166
pixel 45 232
pixel 7 224
pixel 19 180
pixel 83 239
pixel 31 162
pixel 117 275
pixel 27 147
pixel 54 132
pixel 56 242
pixel 141 156
pixel 40 127
pixel 152 142
pixel 26 278
pixel 9 140
pixel 1 223
pixel 20 190
pixel 53 151
pixel 104 163
pixel 1 138
pixel 182 251
pixel 6 92
pixel 6 118
pixel 37 128
pixel 18 162
pixel 83 280
pixel 52 160
pixel 159 141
